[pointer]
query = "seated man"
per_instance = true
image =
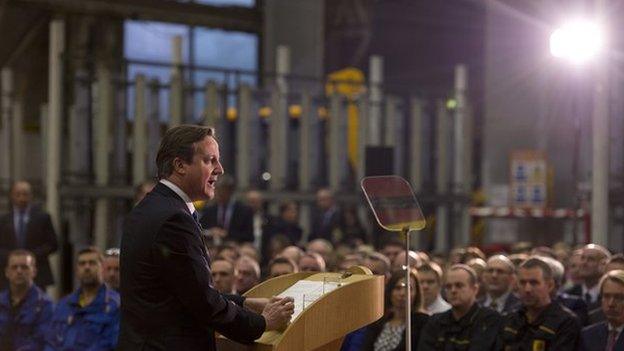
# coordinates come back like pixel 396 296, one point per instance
pixel 466 326
pixel 111 268
pixel 311 262
pixel 222 271
pixel 607 335
pixel 87 319
pixel 281 266
pixel 540 323
pixel 499 278
pixel 246 274
pixel 25 310
pixel 430 275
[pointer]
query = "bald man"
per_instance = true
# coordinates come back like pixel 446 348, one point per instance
pixel 28 227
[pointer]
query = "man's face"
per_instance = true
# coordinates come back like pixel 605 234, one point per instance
pixel 391 252
pixel 498 277
pixel 534 290
pixel 89 269
pixel 613 302
pixel 200 176
pixel 254 200
pixel 278 269
pixel 592 263
pixel 460 293
pixel 575 268
pixel 430 286
pixel 324 199
pixel 290 213
pixel 246 277
pixel 111 272
pixel 20 270
pixel 398 293
pixel 309 264
pixel 223 276
pixel 21 195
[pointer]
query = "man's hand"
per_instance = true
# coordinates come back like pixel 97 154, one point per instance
pixel 277 312
pixel 256 304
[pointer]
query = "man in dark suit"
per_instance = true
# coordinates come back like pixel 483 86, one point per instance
pixel 326 218
pixel 228 219
pixel 169 302
pixel 28 227
pixel 499 277
pixel 594 259
pixel 607 335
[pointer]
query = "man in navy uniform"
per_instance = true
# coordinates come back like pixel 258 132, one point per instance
pixel 540 324
pixel 608 335
pixel 87 319
pixel 25 310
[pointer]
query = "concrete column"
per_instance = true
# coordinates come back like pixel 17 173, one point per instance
pixel 278 154
pixel 600 157
pixel 375 77
pixel 305 159
pixel 43 121
pixel 243 137
pixel 101 151
pixel 120 134
pixel 337 144
pixel 139 136
pixel 7 121
pixel 79 128
pixel 17 141
pixel 415 144
pixel 363 135
pixel 211 113
pixel 442 174
pixel 176 93
pixel 153 125
pixel 459 154
pixel 54 134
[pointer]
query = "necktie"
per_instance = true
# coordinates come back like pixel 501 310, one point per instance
pixel 196 218
pixel 611 340
pixel 494 305
pixel 21 229
pixel 588 298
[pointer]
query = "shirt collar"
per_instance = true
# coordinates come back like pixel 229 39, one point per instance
pixel 180 193
pixel 594 292
pixel 618 330
pixel 500 301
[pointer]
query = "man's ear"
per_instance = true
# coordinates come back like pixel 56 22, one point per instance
pixel 178 166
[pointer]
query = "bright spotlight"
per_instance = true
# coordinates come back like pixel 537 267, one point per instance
pixel 577 41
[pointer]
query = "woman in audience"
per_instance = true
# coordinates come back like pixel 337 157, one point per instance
pixel 388 333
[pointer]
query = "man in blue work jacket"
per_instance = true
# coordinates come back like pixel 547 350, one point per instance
pixel 88 319
pixel 25 310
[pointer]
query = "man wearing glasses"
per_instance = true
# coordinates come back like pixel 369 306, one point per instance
pixel 608 335
pixel 499 278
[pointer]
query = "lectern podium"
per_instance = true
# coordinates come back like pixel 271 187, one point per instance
pixel 355 301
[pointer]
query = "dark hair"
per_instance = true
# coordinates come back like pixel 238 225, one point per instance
pixel 617 258
pixel 283 260
pixel 396 276
pixel 179 142
pixel 473 278
pixel 22 252
pixel 432 267
pixel 283 206
pixel 537 262
pixel 91 249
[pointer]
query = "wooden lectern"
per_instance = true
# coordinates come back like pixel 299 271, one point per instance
pixel 322 325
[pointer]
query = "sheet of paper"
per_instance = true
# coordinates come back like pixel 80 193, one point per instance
pixel 305 292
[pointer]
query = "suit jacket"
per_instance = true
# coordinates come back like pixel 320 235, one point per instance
pixel 577 290
pixel 240 226
pixel 324 224
pixel 40 239
pixel 169 302
pixel 576 305
pixel 512 303
pixel 595 337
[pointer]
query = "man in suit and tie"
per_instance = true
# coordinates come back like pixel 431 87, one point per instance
pixel 499 278
pixel 169 302
pixel 28 227
pixel 228 219
pixel 326 218
pixel 594 259
pixel 607 335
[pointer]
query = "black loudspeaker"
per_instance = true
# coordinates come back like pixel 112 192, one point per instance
pixel 379 161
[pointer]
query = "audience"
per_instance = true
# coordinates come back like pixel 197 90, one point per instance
pixel 87 319
pixel 246 274
pixel 431 281
pixel 281 266
pixel 25 309
pixel 222 271
pixel 111 268
pixel 499 279
pixel 311 262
